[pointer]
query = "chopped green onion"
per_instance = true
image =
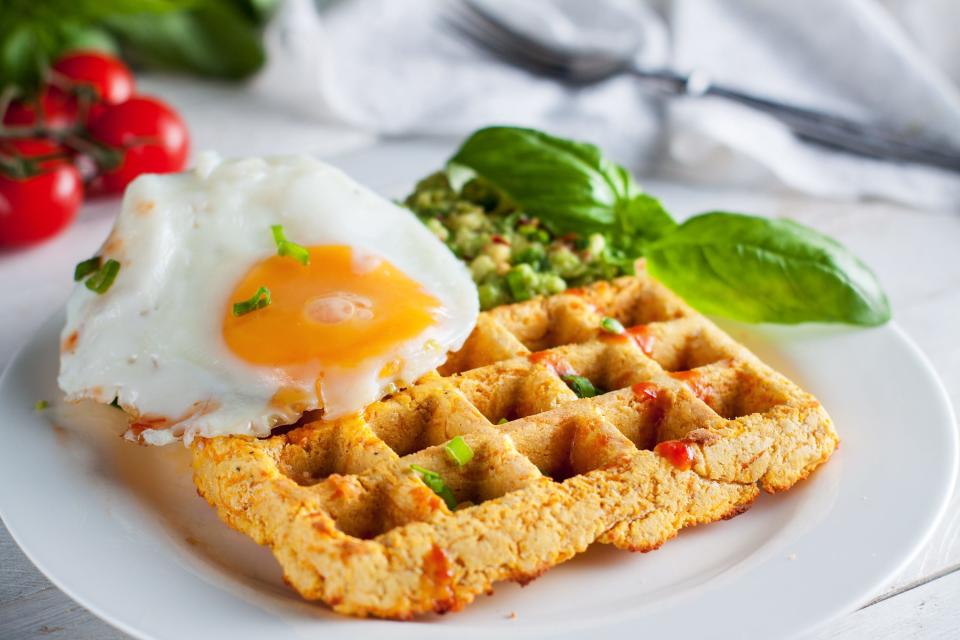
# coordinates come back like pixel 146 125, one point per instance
pixel 258 300
pixel 296 252
pixel 580 386
pixel 278 235
pixel 459 451
pixel 85 268
pixel 287 248
pixel 103 278
pixel 502 421
pixel 611 325
pixel 40 405
pixel 433 480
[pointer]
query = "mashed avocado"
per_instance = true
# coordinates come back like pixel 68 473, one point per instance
pixel 511 255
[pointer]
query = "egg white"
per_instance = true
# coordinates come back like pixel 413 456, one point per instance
pixel 154 339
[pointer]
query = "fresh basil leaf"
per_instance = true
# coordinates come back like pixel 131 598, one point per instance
pixel 50 13
pixel 33 33
pixel 568 185
pixel 257 11
pixel 78 36
pixel 212 38
pixel 640 219
pixel 565 183
pixel 762 270
pixel 24 50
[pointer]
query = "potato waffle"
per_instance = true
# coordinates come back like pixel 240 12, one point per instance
pixel 687 428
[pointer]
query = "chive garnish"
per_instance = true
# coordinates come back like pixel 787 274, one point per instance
pixel 258 300
pixel 459 451
pixel 433 480
pixel 611 325
pixel 85 268
pixel 100 275
pixel 103 278
pixel 580 386
pixel 40 405
pixel 287 248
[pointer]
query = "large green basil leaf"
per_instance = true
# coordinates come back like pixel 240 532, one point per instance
pixel 212 38
pixel 569 185
pixel 24 51
pixel 763 270
pixel 33 33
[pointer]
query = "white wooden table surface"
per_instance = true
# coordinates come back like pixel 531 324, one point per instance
pixel 915 254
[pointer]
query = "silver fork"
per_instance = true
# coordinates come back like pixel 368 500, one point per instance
pixel 577 67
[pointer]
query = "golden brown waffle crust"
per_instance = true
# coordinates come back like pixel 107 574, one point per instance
pixel 690 427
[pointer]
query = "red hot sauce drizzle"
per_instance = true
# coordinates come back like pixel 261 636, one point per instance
pixel 679 453
pixel 649 394
pixel 642 337
pixel 693 380
pixel 621 338
pixel 646 391
pixel 553 362
pixel 438 578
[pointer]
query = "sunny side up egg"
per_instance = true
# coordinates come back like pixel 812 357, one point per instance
pixel 366 299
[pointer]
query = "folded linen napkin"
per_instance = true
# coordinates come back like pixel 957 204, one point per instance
pixel 392 68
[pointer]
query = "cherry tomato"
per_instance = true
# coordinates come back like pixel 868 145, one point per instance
pixel 150 135
pixel 39 205
pixel 110 79
pixel 57 110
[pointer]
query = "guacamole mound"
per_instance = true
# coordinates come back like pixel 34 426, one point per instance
pixel 511 255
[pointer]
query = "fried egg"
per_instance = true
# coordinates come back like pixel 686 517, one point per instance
pixel 214 325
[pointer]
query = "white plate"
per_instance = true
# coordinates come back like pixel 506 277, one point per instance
pixel 121 530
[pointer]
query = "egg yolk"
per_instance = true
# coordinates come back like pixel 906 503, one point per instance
pixel 338 310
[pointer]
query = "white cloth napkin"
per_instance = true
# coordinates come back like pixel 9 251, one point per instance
pixel 391 67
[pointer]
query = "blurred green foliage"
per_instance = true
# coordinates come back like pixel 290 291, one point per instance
pixel 214 38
